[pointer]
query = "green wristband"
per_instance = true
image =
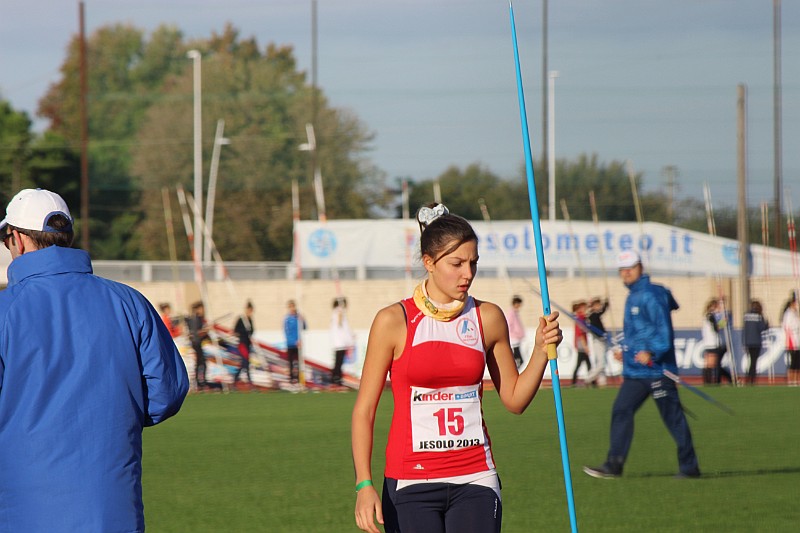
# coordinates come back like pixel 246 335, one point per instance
pixel 365 483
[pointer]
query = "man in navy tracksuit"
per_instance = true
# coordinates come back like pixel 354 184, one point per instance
pixel 647 352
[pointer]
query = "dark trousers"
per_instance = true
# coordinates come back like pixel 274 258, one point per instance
pixel 583 357
pixel 721 372
pixel 199 364
pixel 244 351
pixel 293 354
pixel 630 398
pixel 517 356
pixel 440 508
pixel 755 352
pixel 336 373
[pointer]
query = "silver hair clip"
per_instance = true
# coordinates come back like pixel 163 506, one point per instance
pixel 427 215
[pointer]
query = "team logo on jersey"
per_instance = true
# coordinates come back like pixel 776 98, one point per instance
pixel 467 331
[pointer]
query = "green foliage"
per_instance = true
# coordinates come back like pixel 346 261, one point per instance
pixel 461 191
pixel 281 462
pixel 27 160
pixel 15 138
pixel 610 183
pixel 141 140
pixel 263 100
pixel 124 72
pixel 507 199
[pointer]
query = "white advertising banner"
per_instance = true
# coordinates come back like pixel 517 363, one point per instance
pixel 510 244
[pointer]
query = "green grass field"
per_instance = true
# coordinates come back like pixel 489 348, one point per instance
pixel 280 462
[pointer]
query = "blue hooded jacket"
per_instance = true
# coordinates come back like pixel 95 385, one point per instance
pixel 85 364
pixel 648 327
pixel 292 324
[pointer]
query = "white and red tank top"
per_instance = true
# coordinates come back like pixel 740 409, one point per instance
pixel 437 427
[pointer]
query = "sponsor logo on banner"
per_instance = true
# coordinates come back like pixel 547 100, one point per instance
pixel 730 252
pixel 322 243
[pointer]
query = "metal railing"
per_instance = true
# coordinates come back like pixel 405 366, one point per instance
pixel 183 271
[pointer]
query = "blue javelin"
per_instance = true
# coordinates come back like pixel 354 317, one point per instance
pixel 537 231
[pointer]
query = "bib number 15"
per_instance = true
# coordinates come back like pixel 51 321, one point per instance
pixel 450 421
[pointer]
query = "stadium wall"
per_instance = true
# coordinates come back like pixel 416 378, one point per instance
pixel 314 297
pixel 365 298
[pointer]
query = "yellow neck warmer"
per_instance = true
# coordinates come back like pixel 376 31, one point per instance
pixel 443 312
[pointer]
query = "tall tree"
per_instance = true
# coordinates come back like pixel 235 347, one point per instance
pixel 263 99
pixel 140 127
pixel 125 74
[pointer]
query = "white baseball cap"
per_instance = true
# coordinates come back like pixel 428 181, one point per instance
pixel 628 259
pixel 32 208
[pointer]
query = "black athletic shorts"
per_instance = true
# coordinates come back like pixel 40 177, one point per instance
pixel 441 508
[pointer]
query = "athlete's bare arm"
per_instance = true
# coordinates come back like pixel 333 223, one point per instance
pixel 516 389
pixel 386 341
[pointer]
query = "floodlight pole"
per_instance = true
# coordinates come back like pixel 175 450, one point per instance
pixel 195 56
pixel 551 146
pixel 741 224
pixel 777 99
pixel 219 140
pixel 84 114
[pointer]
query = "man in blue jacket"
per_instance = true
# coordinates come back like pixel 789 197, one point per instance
pixel 85 364
pixel 648 350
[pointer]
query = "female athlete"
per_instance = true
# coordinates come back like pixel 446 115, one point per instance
pixel 440 473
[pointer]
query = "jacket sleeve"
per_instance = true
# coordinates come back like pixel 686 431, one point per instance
pixel 165 380
pixel 655 333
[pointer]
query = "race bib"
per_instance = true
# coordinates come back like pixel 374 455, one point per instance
pixel 446 419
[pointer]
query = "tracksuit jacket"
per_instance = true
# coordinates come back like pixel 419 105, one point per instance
pixel 648 327
pixel 85 364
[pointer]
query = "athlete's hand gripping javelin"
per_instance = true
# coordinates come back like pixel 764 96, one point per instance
pixel 548 334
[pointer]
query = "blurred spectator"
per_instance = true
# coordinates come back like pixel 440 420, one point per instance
pixel 244 331
pixel 711 343
pixel 293 324
pixel 791 328
pixel 755 325
pixel 173 324
pixel 581 339
pixel 341 337
pixel 198 333
pixel 516 331
pixel 597 339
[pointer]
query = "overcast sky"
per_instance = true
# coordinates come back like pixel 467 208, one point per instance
pixel 646 80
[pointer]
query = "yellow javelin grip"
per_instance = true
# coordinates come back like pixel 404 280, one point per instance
pixel 551 348
pixel 551 352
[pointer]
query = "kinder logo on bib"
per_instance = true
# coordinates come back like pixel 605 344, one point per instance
pixel 467 331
